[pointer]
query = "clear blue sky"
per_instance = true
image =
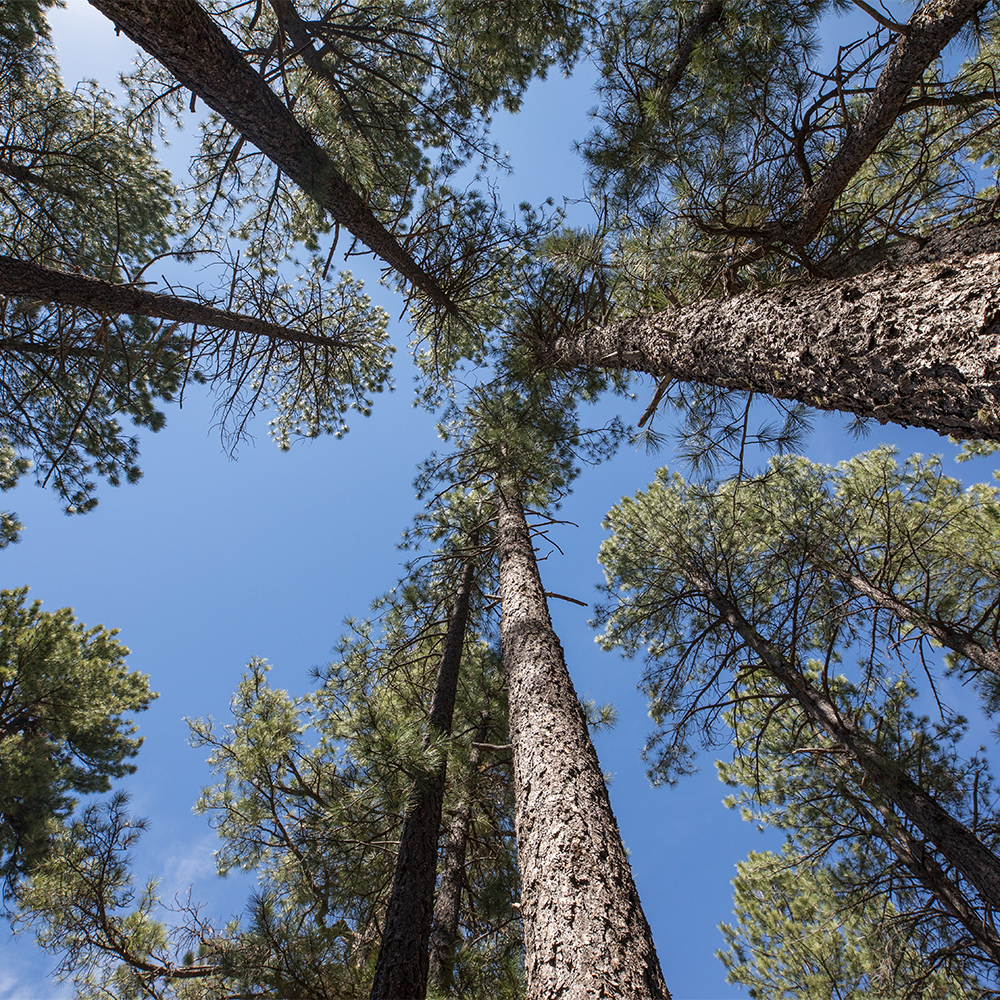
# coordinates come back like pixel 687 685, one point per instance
pixel 208 562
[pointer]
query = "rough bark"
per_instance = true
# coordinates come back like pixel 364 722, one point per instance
pixel 183 37
pixel 957 844
pixel 402 966
pixel 585 934
pixel 448 899
pixel 928 31
pixel 47 284
pixel 912 341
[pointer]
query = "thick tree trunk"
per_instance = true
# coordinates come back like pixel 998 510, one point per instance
pixel 914 341
pixel 47 284
pixel 957 844
pixel 402 965
pixel 182 36
pixel 448 900
pixel 585 934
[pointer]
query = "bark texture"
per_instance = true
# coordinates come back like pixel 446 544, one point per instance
pixel 402 966
pixel 911 341
pixel 48 284
pixel 928 32
pixel 957 844
pixel 448 900
pixel 585 934
pixel 182 36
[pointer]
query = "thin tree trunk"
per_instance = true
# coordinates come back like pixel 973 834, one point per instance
pixel 182 36
pixel 48 284
pixel 957 844
pixel 402 965
pixel 912 343
pixel 927 33
pixel 448 900
pixel 585 934
pixel 923 866
pixel 985 657
pixel 709 13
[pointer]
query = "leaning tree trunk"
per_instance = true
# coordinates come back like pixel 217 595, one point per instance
pixel 923 866
pixel 585 934
pixel 448 900
pixel 185 39
pixel 37 282
pixel 962 641
pixel 402 965
pixel 960 847
pixel 912 341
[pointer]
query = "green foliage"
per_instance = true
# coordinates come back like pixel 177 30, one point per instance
pixel 853 574
pixel 786 546
pixel 707 131
pixel 70 373
pixel 22 26
pixel 861 916
pixel 312 795
pixel 796 935
pixel 524 427
pixel 64 694
pixel 83 903
pixel 399 95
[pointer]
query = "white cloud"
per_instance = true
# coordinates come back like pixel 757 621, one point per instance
pixel 26 974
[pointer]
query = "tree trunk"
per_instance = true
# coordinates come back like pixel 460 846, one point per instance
pixel 914 341
pixel 965 643
pixel 448 900
pixel 709 14
pixel 182 36
pixel 402 965
pixel 48 284
pixel 922 864
pixel 957 844
pixel 927 33
pixel 585 934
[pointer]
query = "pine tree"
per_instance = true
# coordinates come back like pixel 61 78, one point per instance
pixel 585 932
pixel 64 694
pixel 750 597
pixel 313 794
pixel 88 211
pixel 796 935
pixel 785 222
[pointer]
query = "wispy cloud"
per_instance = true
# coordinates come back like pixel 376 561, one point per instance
pixel 26 974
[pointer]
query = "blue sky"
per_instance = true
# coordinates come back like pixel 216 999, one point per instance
pixel 207 562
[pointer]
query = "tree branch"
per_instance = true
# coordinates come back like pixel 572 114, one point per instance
pixel 185 39
pixel 47 284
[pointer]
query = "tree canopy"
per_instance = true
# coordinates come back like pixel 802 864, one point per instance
pixel 65 692
pixel 774 218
